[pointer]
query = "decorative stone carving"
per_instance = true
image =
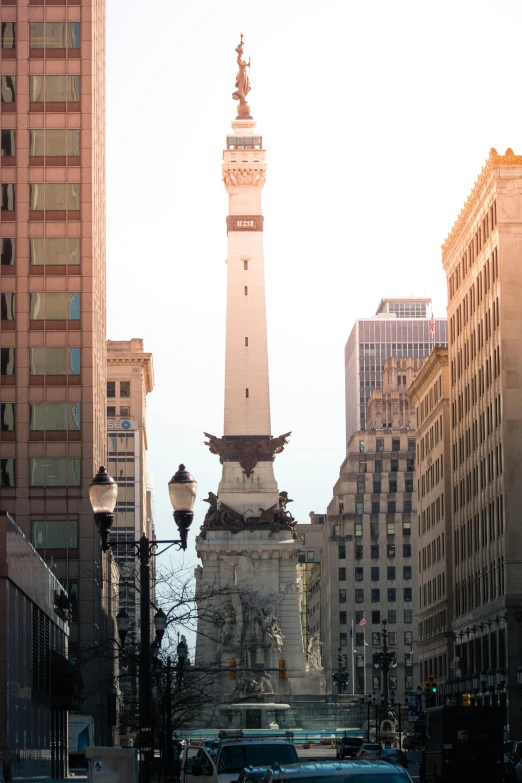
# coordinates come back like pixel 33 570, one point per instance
pixel 314 652
pixel 235 177
pixel 222 517
pixel 248 450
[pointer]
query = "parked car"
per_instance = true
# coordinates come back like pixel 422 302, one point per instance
pixel 232 753
pixel 395 756
pixel 348 747
pixel 370 750
pixel 375 771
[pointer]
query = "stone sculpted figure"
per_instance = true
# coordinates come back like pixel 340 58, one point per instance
pixel 314 652
pixel 242 79
pixel 240 687
pixel 275 634
pixel 265 683
pixel 252 688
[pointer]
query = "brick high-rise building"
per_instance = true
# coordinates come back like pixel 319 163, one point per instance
pixel 482 258
pixel 52 334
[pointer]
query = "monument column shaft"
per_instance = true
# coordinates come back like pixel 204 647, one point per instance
pixel 247 396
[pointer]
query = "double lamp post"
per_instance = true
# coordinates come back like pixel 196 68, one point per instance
pixel 103 493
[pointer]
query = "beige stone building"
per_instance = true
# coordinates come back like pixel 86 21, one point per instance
pixel 309 579
pixel 482 258
pixel 369 549
pixel 52 301
pixel 430 393
pixel 130 377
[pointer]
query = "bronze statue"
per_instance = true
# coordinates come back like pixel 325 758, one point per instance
pixel 242 84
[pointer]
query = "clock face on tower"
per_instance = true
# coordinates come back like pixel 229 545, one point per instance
pixel 245 223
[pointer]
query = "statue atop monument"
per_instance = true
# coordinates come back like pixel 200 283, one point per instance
pixel 242 84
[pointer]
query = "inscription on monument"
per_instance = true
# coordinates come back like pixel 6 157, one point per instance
pixel 245 222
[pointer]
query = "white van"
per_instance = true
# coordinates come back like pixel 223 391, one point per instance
pixel 224 759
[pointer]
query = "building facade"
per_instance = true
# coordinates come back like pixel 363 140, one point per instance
pixel 309 576
pixel 430 393
pixel 400 328
pixel 52 333
pixel 482 258
pixel 369 545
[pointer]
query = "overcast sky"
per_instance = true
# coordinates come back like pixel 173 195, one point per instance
pixel 377 118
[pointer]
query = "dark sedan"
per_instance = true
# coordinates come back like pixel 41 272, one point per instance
pixel 394 756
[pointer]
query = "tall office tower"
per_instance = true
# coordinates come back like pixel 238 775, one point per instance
pixel 430 394
pixel 401 328
pixel 52 335
pixel 482 257
pixel 369 547
pixel 130 377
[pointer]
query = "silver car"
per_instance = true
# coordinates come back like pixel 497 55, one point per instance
pixel 370 750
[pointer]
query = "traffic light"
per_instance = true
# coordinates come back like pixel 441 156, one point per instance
pixel 282 669
pixel 232 674
pixel 466 699
pixel 431 686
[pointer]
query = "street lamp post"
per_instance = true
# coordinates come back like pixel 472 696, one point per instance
pixel 103 493
pixel 385 660
pixel 341 676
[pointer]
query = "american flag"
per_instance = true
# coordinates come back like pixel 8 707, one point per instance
pixel 432 325
pixel 362 621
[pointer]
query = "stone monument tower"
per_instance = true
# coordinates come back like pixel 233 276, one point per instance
pixel 248 541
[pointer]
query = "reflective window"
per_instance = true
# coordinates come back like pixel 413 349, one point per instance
pixel 54 89
pixel 55 196
pixel 8 198
pixel 54 361
pixel 54 35
pixel 408 615
pixel 55 534
pixel 407 594
pixel 392 594
pixel 125 411
pixel 121 443
pixel 54 416
pixel 53 306
pixel 8 138
pixel 379 444
pixel 8 35
pixel 55 472
pixel 7 473
pixel 51 143
pixel 7 361
pixel 7 307
pixel 7 416
pixel 111 411
pixel 392 616
pixel 124 388
pixel 72 592
pixel 54 251
pixel 111 388
pixel 122 469
pixel 8 252
pixel 8 89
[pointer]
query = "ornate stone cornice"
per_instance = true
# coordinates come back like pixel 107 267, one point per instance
pixel 248 450
pixel 244 177
pixel 494 160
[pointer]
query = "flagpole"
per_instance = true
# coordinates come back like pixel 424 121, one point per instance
pixel 353 662
pixel 364 659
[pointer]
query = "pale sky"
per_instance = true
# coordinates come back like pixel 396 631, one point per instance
pixel 376 117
